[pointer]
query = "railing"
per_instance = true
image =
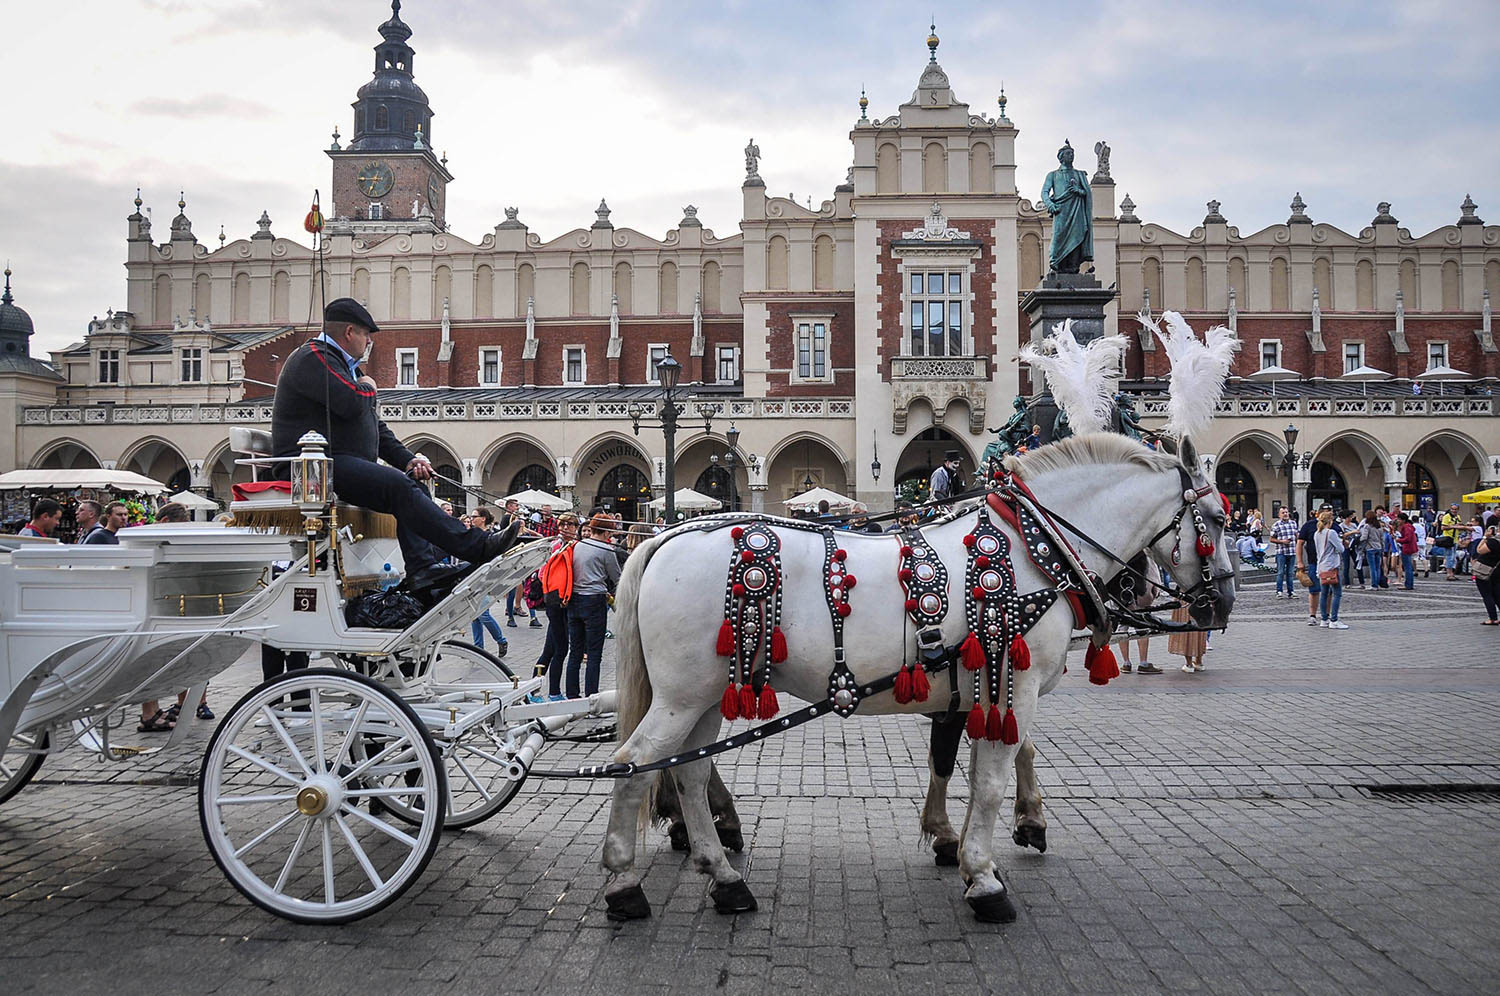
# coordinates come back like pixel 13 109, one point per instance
pixel 1156 406
pixel 936 367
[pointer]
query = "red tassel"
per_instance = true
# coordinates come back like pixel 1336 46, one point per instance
pixel 729 705
pixel 992 724
pixel 1020 653
pixel 903 684
pixel 778 646
pixel 919 684
pixel 1009 733
pixel 1204 546
pixel 747 701
pixel 843 609
pixel 972 653
pixel 736 532
pixel 1101 665
pixel 981 561
pixel 974 727
pixel 769 707
pixel 904 574
pixel 725 646
pixel 849 581
pixel 911 605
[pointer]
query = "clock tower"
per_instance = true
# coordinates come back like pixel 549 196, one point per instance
pixel 389 179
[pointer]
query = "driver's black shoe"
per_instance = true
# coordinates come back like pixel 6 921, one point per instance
pixel 498 542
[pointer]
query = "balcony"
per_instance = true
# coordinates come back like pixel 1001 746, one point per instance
pixel 938 368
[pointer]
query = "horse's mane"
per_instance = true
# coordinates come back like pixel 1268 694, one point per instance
pixel 1087 449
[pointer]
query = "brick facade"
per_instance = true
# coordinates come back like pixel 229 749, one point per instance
pixel 781 345
pixel 411 171
pixel 889 292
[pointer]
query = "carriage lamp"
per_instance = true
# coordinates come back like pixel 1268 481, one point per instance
pixel 311 478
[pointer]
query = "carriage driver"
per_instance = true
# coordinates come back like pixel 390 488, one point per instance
pixel 321 389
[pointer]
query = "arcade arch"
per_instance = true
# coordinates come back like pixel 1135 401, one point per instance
pixel 1350 466
pixel 801 458
pixel 1454 462
pixel 65 454
pixel 922 455
pixel 513 457
pixel 702 467
pixel 159 460
pixel 614 473
pixel 446 464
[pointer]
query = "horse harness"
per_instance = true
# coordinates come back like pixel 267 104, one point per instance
pixel 997 615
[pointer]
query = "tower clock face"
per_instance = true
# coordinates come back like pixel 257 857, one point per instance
pixel 375 179
pixel 433 192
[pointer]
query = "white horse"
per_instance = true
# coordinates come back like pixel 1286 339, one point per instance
pixel 672 597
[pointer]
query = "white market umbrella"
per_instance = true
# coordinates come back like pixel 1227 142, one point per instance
pixel 67 480
pixel 192 500
pixel 688 500
pixel 1272 374
pixel 1364 374
pixel 809 500
pixel 532 498
pixel 1441 374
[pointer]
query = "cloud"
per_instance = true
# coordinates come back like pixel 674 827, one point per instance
pixel 209 105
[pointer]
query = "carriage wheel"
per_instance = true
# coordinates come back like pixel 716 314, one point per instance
pixel 23 757
pixel 475 763
pixel 285 803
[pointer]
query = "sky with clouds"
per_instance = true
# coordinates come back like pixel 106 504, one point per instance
pixel 551 104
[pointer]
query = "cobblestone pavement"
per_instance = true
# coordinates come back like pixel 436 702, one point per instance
pixel 1207 832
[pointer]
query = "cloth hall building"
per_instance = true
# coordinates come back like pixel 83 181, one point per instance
pixel 852 343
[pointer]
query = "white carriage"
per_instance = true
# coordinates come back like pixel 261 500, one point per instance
pixel 323 792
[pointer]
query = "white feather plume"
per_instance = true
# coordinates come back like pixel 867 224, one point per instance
pixel 1078 376
pixel 1199 371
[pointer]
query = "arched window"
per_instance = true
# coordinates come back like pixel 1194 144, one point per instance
pixel 1492 281
pixel 1238 281
pixel 666 289
pixel 1409 285
pixel 1151 282
pixel 1364 285
pixel 823 262
pixel 161 301
pixel 202 297
pixel 281 297
pixel 525 287
pixel 451 493
pixel 1281 285
pixel 888 169
pixel 359 120
pixel 382 118
pixel 401 293
pixel 442 289
pixel 533 477
pixel 711 289
pixel 484 292
pixel 1031 260
pixel 240 306
pixel 1421 488
pixel 409 122
pixel 580 290
pixel 934 168
pixel 624 283
pixel 776 263
pixel 981 169
pixel 714 482
pixel 1238 486
pixel 626 491
pixel 1452 286
pixel 1196 293
pixel 362 286
pixel 1328 486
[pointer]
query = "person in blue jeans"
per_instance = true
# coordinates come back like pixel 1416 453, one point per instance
pixel 488 622
pixel 1354 561
pixel 1283 541
pixel 1372 545
pixel 596 571
pixel 1406 543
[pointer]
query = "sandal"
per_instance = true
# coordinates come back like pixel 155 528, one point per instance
pixel 204 712
pixel 158 723
pixel 173 712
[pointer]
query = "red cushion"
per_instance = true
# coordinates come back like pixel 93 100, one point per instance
pixel 243 491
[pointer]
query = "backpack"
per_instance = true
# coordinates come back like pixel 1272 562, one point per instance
pixel 556 576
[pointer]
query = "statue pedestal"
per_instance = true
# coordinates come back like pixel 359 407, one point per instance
pixel 1063 296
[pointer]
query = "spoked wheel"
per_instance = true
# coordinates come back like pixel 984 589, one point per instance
pixel 23 757
pixel 287 791
pixel 475 763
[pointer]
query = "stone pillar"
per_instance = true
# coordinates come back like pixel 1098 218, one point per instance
pixel 1063 296
pixel 758 498
pixel 1299 499
pixel 470 476
pixel 1393 490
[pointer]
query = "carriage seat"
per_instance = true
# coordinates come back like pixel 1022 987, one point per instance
pixel 267 504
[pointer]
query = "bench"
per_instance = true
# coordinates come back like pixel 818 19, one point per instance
pixel 267 504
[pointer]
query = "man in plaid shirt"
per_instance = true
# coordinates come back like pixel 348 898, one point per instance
pixel 1283 541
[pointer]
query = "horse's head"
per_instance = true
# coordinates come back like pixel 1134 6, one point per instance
pixel 1192 547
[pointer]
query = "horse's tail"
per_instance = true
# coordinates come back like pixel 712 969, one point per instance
pixel 632 682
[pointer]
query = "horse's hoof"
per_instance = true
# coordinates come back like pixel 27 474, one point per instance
pixel 733 897
pixel 732 839
pixel 678 834
pixel 1027 835
pixel 945 853
pixel 994 907
pixel 627 904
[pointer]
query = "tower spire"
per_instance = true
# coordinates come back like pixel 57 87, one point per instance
pixel 6 298
pixel 932 40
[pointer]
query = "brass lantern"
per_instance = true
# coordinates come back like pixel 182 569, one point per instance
pixel 311 474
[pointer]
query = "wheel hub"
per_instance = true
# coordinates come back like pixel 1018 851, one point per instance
pixel 320 795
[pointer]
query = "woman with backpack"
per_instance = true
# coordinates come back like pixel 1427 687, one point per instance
pixel 556 579
pixel 596 571
pixel 1486 578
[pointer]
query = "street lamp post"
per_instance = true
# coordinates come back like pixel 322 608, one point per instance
pixel 1288 462
pixel 668 373
pixel 733 436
